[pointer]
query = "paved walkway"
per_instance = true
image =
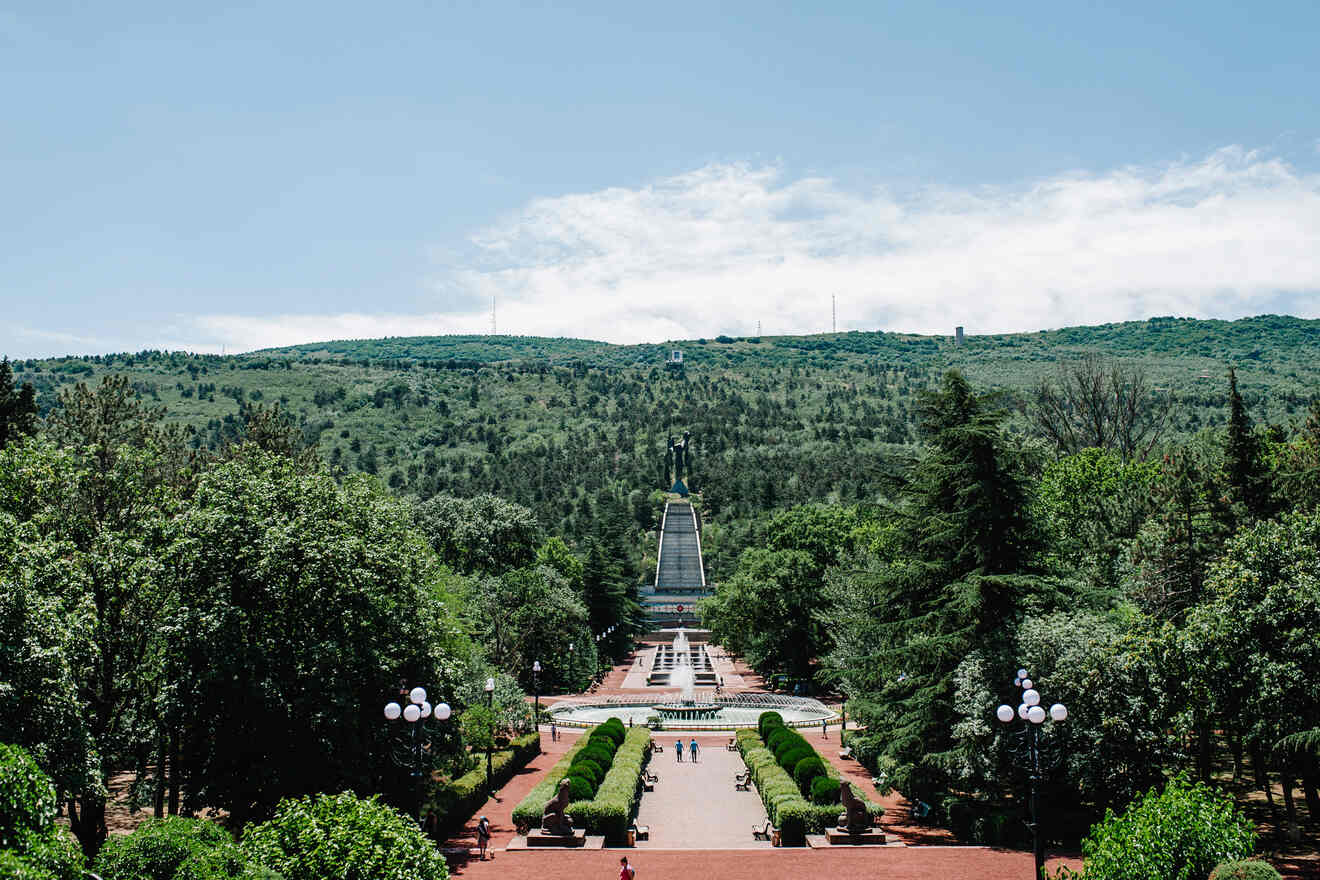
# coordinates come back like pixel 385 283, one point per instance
pixel 695 806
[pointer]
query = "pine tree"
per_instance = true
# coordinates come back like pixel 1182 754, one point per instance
pixel 1244 473
pixel 18 409
pixel 963 566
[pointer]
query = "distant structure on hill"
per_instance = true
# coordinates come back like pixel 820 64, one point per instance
pixel 957 336
pixel 680 576
pixel 678 458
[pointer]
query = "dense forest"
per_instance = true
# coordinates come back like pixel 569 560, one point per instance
pixel 565 426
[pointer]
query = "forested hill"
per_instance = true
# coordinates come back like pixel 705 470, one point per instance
pixel 564 426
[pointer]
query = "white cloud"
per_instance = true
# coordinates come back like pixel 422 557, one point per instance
pixel 720 248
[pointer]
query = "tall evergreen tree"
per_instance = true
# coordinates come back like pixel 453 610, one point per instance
pixel 1244 472
pixel 963 567
pixel 18 408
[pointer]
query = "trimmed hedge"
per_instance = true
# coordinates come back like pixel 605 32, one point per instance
pixel 157 847
pixel 1249 869
pixel 767 720
pixel 611 810
pixel 825 791
pixel 597 754
pixel 807 771
pixel 453 803
pixel 789 811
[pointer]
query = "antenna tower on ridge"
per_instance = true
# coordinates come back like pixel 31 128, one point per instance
pixel 834 313
pixel 492 317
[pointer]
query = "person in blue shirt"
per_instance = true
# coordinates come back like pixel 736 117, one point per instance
pixel 692 747
pixel 678 749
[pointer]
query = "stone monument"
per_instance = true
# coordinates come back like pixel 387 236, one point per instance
pixel 855 822
pixel 556 825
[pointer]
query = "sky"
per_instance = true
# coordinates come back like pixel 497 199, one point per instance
pixel 227 177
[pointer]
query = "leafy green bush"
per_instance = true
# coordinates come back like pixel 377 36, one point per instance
pixel 614 729
pixel 767 720
pixel 453 803
pixel 824 791
pixel 593 752
pixel 27 819
pixel 1180 833
pixel 12 867
pixel 227 862
pixel 1250 869
pixel 808 770
pixel 157 847
pixel 579 789
pixel 588 770
pixel 790 756
pixel 343 837
pixel 777 736
pixel 789 741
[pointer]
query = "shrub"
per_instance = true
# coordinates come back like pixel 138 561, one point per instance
pixel 1179 833
pixel 579 789
pixel 614 729
pixel 343 836
pixel 778 735
pixel 227 862
pixel 602 758
pixel 789 757
pixel 453 803
pixel 767 720
pixel 588 770
pixel 14 868
pixel 1245 870
pixel 157 847
pixel 602 739
pixel 824 791
pixel 806 771
pixel 27 820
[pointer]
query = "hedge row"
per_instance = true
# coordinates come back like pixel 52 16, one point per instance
pixel 789 811
pixel 453 803
pixel 611 810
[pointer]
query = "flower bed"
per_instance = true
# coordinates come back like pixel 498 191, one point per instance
pixel 611 810
pixel 453 803
pixel 788 809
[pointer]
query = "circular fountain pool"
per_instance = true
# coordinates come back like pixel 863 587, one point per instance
pixel 723 713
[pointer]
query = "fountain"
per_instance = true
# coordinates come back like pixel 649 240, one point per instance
pixel 683 675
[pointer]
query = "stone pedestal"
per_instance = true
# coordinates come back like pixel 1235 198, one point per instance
pixel 537 838
pixel 839 837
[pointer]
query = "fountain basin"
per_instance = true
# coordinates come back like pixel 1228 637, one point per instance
pixel 688 711
pixel 729 713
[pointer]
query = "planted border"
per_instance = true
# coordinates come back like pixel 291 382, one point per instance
pixel 789 811
pixel 611 810
pixel 454 803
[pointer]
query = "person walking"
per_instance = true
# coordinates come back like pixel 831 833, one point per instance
pixel 824 729
pixel 692 746
pixel 626 871
pixel 483 837
pixel 554 732
pixel 678 749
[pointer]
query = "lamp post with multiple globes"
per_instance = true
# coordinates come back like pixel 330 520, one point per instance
pixel 414 712
pixel 1032 715
pixel 490 705
pixel 536 688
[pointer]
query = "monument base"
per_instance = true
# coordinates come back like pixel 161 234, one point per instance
pixel 839 837
pixel 537 837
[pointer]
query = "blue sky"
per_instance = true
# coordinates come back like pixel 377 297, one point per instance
pixel 173 176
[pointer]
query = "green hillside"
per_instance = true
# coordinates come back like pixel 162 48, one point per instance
pixel 559 424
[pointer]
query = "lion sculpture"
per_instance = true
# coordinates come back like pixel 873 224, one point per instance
pixel 856 815
pixel 555 818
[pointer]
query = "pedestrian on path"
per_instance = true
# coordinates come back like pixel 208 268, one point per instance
pixel 693 748
pixel 483 837
pixel 824 729
pixel 554 732
pixel 626 871
pixel 678 749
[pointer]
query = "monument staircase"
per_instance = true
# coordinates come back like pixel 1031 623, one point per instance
pixel 680 578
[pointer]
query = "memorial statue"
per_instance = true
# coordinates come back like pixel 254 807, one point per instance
pixel 856 815
pixel 679 457
pixel 555 818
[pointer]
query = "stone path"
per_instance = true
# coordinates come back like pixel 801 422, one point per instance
pixel 695 806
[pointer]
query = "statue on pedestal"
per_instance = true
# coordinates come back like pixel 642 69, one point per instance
pixel 856 815
pixel 679 457
pixel 555 818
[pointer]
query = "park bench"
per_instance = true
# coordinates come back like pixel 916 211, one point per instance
pixel 649 780
pixel 845 753
pixel 732 746
pixel 762 832
pixel 657 748
pixel 743 781
pixel 640 832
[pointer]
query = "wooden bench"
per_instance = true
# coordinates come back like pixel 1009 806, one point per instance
pixel 846 753
pixel 743 781
pixel 762 832
pixel 657 748
pixel 732 746
pixel 640 832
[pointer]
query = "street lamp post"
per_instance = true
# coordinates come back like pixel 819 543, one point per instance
pixel 1033 715
pixel 415 711
pixel 490 705
pixel 536 687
